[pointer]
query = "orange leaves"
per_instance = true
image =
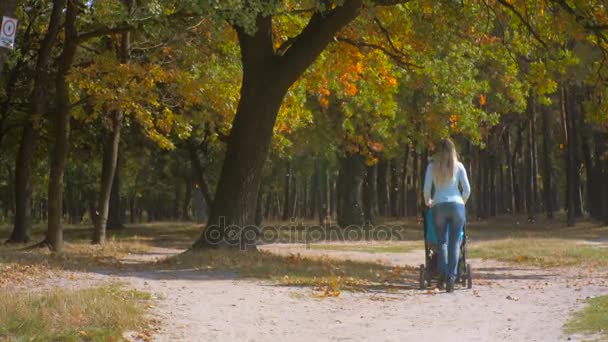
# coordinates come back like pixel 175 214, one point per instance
pixel 375 146
pixel 324 101
pixel 482 100
pixel 350 89
pixel 454 118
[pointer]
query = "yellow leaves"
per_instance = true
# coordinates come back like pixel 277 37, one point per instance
pixel 562 147
pixel 482 100
pixel 328 288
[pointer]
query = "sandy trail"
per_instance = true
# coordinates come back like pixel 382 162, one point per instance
pixel 207 306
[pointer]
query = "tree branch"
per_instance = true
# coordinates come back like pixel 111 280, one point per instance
pixel 105 31
pixel 313 39
pixel 397 58
pixel 523 21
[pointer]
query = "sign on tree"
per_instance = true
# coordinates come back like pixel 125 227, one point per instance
pixel 8 32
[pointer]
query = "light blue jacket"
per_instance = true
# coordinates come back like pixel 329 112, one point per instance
pixel 448 192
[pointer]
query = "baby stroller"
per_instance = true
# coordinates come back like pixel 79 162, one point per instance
pixel 429 270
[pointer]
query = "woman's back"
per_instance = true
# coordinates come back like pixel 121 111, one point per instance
pixel 449 191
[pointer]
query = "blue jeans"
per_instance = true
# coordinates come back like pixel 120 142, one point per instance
pixel 449 219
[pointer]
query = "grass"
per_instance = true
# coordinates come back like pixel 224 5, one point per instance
pixel 295 270
pixel 542 252
pixel 94 314
pixel 368 248
pixel 591 320
pixel 18 265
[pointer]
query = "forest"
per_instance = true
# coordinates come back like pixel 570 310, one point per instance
pixel 117 114
pixel 139 111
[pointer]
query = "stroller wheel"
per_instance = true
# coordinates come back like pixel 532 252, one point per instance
pixel 422 277
pixel 469 277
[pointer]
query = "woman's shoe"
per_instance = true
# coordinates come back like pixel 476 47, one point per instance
pixel 450 286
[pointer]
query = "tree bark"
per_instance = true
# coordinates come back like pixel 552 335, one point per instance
pixel 352 176
pixel 403 183
pixel 323 194
pixel 416 179
pixel 108 170
pixel 199 172
pixel 547 163
pixel 287 191
pixel 384 193
pixel 511 172
pixel 27 147
pixel 115 217
pixel 23 185
pixel 394 189
pixel 370 194
pixel 186 201
pixel 61 113
pixel 568 155
pixel 529 161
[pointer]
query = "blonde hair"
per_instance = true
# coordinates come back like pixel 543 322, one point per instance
pixel 444 162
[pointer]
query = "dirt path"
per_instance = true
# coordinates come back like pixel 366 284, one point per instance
pixel 204 306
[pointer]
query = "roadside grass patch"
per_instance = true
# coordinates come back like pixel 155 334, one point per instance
pixel 591 320
pixel 369 247
pixel 94 314
pixel 295 270
pixel 542 252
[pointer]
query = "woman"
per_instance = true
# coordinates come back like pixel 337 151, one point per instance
pixel 445 173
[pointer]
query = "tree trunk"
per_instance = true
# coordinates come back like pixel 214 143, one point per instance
pixel 323 197
pixel 108 170
pixel 547 163
pixel 574 112
pixel 61 113
pixel 115 218
pixel 186 201
pixel 198 171
pixel 511 172
pixel 287 191
pixel 535 173
pixel 479 184
pixel 370 195
pixel 352 176
pixel 416 179
pixel 384 194
pixel 313 195
pixel 23 185
pixel 522 178
pixel 25 157
pixel 529 161
pixel 492 179
pixel 394 197
pixel 568 156
pixel 424 162
pixel 403 189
